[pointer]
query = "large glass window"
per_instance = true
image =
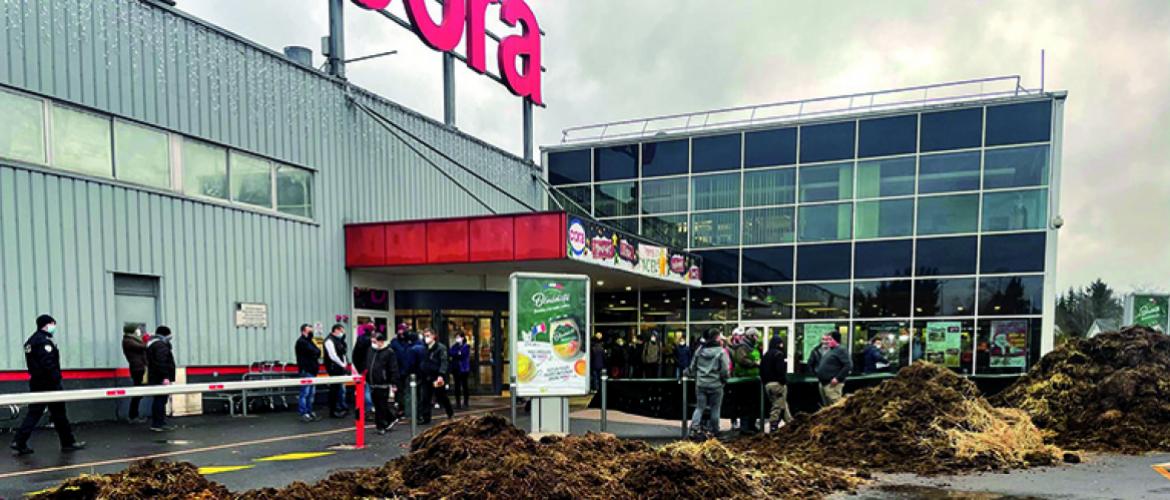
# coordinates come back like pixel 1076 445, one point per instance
pixel 949 172
pixel 767 302
pixel 885 218
pixel 576 199
pixel 81 142
pixel 1012 253
pixel 715 304
pixel 569 167
pixel 617 199
pixel 944 297
pixel 1010 295
pixel 808 338
pixel 1015 167
pixel 831 141
pixel 958 129
pixel 895 345
pixel 627 224
pixel 668 229
pixel 251 180
pixel 826 222
pixel 712 192
pixel 826 182
pixel 769 147
pixel 887 136
pixel 294 191
pixel 824 262
pixel 769 187
pixel 822 300
pixel 763 226
pixel 662 306
pixel 720 266
pixel 948 214
pixel 143 155
pixel 713 153
pixel 883 259
pixel 946 343
pixel 615 307
pixel 881 299
pixel 664 195
pixel 767 264
pixel 22 131
pixel 615 163
pixel 888 177
pixel 1019 123
pixel 715 229
pixel 1015 210
pixel 946 256
pixel 204 170
pixel 665 158
pixel 1007 345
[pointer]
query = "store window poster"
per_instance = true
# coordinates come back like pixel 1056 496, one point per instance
pixel 1009 343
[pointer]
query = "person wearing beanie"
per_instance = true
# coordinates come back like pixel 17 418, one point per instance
pixel 134 349
pixel 44 369
pixel 160 361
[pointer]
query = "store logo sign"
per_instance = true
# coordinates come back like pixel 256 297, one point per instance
pixel 577 239
pixel 518 56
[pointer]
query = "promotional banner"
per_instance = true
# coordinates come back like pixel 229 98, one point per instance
pixel 1009 343
pixel 592 242
pixel 944 343
pixel 1150 311
pixel 549 334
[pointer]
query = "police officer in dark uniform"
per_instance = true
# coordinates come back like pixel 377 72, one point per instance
pixel 44 368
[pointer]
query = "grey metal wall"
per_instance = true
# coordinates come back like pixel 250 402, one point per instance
pixel 63 236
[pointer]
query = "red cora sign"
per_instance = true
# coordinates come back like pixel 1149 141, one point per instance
pixel 444 36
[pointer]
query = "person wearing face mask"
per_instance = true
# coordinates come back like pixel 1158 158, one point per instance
pixel 460 356
pixel 337 365
pixel 432 368
pixel 44 369
pixel 652 357
pixel 134 348
pixel 383 380
pixel 160 362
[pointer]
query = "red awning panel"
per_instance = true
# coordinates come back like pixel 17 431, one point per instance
pixel 496 238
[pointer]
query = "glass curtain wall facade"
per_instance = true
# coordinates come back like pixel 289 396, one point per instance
pixel 927 228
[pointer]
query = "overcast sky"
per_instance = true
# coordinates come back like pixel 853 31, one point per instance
pixel 617 59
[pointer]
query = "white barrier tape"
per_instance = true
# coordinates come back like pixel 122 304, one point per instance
pixel 166 390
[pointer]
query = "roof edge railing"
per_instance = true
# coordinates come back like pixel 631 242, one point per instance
pixel 865 101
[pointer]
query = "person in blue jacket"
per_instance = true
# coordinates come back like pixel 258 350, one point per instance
pixel 401 346
pixel 875 360
pixel 460 361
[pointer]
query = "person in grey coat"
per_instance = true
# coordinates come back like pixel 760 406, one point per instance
pixel 831 364
pixel 709 368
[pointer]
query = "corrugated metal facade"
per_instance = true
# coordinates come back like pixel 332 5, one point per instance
pixel 63 236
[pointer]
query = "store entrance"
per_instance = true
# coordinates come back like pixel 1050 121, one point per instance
pixel 769 329
pixel 482 331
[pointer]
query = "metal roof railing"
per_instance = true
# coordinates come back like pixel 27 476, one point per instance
pixel 905 97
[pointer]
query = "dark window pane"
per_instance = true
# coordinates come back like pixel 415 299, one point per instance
pixel 715 304
pixel 826 182
pixel 665 158
pixel 569 167
pixel 885 218
pixel 663 306
pixel 762 226
pixel 615 307
pixel 616 200
pixel 1019 123
pixel 953 297
pixel 1011 295
pixel 628 224
pixel 959 129
pixel 714 229
pixel 1012 253
pixel 769 147
pixel 887 177
pixel 823 262
pixel 769 187
pixel 949 172
pixel 881 299
pixel 767 302
pixel 1015 210
pixel 720 266
pixel 887 136
pixel 826 222
pixel 946 256
pixel 895 346
pixel 1007 345
pixel 1015 167
pixel 883 259
pixel 831 141
pixel 670 230
pixel 720 152
pixel 578 199
pixel 948 214
pixel 615 162
pixel 767 264
pixel 822 300
pixel 664 195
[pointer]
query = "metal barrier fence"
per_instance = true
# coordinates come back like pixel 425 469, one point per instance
pixel 686 414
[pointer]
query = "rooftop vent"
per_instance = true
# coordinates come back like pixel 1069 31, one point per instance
pixel 299 55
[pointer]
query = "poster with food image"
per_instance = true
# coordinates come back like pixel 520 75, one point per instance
pixel 550 349
pixel 944 342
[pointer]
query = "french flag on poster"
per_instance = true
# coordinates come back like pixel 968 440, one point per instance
pixel 538 329
pixel 555 286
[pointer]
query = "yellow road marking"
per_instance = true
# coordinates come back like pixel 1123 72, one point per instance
pixel 1162 469
pixel 219 469
pixel 295 456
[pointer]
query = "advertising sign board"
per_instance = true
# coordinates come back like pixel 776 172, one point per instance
pixel 592 242
pixel 549 334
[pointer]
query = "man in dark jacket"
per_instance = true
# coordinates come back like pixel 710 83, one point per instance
pixel 336 364
pixel 832 365
pixel 44 370
pixel 160 361
pixel 382 379
pixel 709 368
pixel 460 356
pixel 134 348
pixel 774 375
pixel 682 353
pixel 875 360
pixel 361 354
pixel 596 361
pixel 431 370
pixel 401 345
pixel 308 364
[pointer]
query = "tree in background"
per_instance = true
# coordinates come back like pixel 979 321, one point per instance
pixel 1077 309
